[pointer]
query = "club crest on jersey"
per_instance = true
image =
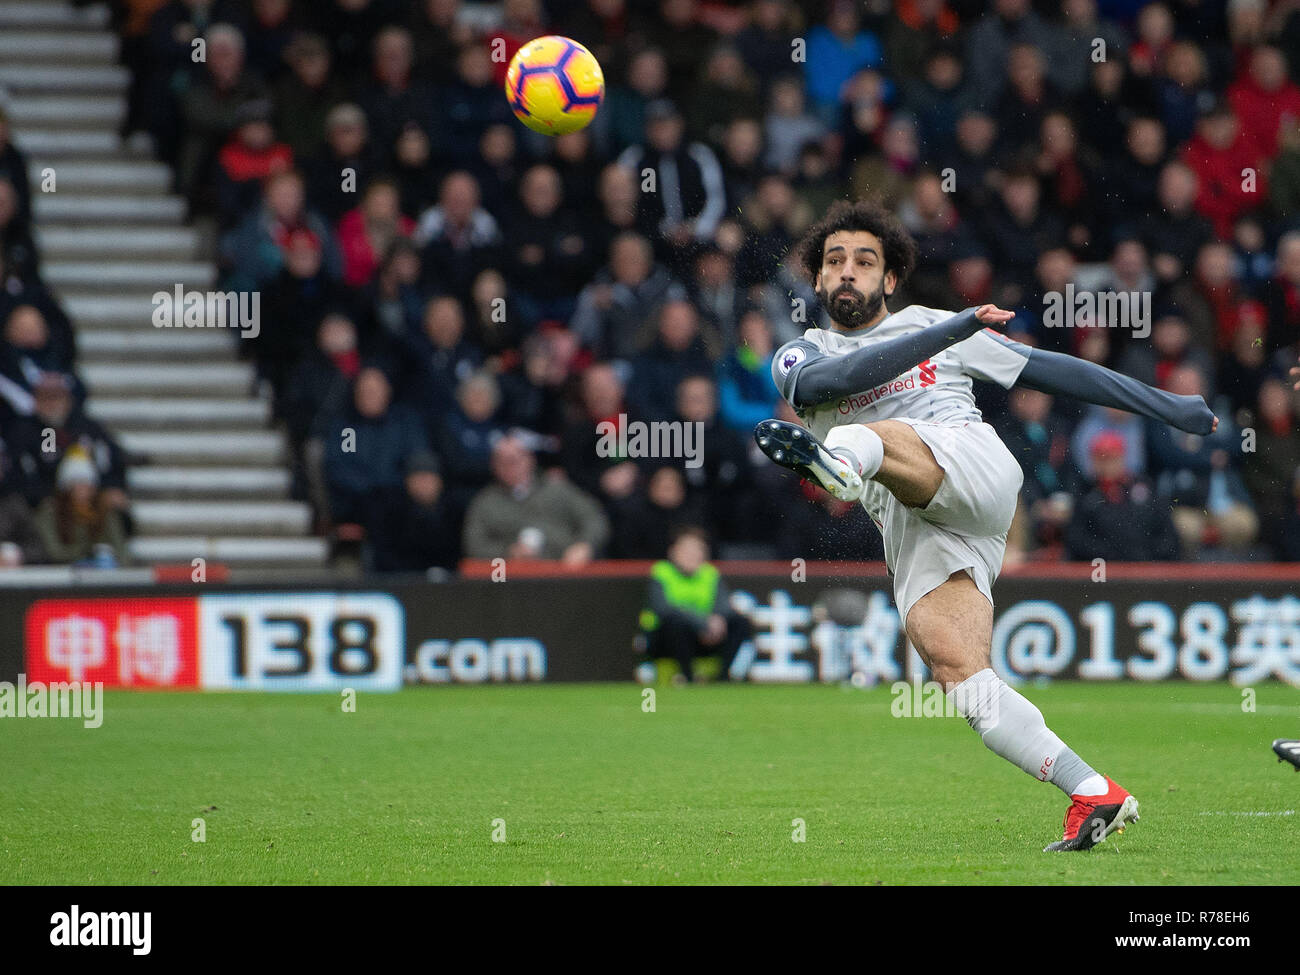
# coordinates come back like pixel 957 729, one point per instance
pixel 790 359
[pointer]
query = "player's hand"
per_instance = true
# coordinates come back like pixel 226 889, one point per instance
pixel 1215 425
pixel 1295 372
pixel 715 628
pixel 993 315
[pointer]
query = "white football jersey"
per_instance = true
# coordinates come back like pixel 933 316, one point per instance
pixel 937 390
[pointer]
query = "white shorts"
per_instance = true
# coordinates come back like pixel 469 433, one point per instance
pixel 966 522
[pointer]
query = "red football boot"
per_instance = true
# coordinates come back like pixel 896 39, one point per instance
pixel 1090 819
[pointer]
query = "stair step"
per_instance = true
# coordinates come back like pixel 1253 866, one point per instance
pixel 175 243
pixel 225 378
pixel 62 47
pixel 17 15
pixel 68 111
pixel 147 481
pixel 147 342
pixel 231 551
pixel 46 144
pixel 221 518
pixel 138 176
pixel 63 77
pixel 151 413
pixel 157 275
pixel 88 209
pixel 207 447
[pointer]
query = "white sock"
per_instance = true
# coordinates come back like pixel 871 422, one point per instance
pixel 860 446
pixel 1013 728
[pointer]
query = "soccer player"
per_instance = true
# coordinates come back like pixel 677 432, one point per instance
pixel 889 420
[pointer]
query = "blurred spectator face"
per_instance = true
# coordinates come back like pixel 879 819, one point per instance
pixel 1108 461
pixel 770 15
pixel 424 487
pixel 1170 337
pixel 459 198
pixel 1247 342
pixel 943 71
pixel 970 276
pixel 1185 65
pixel 667 488
pixel 512 463
pixel 776 198
pixel 1058 135
pixel 372 394
pixel 412 147
pixel 928 197
pixel 1030 405
pixel 381 204
pixel 899 141
pixel 1080 13
pixel 696 400
pixel 743 141
pixel 1155 25
pixel 497 145
pixel 1025 68
pixel 602 393
pixel 688 553
pixel 1186 381
pixel 1011 9
pixel 1178 185
pixel 665 134
pixel 487 288
pixel 1055 269
pixel 311 63
pixel 1129 260
pixel 540 191
pixel 712 269
pixel 787 98
pixel 302 256
pixel 225 56
pixel 1268 68
pixel 866 87
pixel 26 329
pixel 975 133
pixel 647 75
pixel 630 260
pixel 474 66
pixel 1249 235
pixel 336 335
pixel 1146 141
pixel 1107 78
pixel 8 202
pixel 270 13
pixel 1246 21
pixel 403 265
pixel 284 197
pixel 842 19
pixel 573 147
pixel 1218 128
pixel 53 403
pixel 1288 257
pixel 393 57
pixel 523 11
pixel 753 332
pixel 678 325
pixel 1214 265
pixel 479 397
pixel 1095 345
pixel 618 190
pixel 257 135
pixel 1020 195
pixel 346 131
pixel 444 322
pixel 725 68
pixel 730 236
pixel 1274 404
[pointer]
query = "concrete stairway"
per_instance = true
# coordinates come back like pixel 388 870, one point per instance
pixel 215 483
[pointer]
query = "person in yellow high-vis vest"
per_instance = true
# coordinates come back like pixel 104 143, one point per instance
pixel 688 612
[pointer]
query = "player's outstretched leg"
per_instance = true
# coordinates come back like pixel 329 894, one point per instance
pixel 790 445
pixel 952 628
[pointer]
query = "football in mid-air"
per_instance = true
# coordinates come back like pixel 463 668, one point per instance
pixel 554 85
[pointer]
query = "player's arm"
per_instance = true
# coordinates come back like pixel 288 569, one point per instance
pixel 816 379
pixel 1067 375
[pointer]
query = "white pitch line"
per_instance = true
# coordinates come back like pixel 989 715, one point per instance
pixel 1220 812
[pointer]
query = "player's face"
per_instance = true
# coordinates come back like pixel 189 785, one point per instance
pixel 853 283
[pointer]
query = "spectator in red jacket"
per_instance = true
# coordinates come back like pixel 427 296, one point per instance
pixel 367 231
pixel 1218 153
pixel 251 155
pixel 1264 98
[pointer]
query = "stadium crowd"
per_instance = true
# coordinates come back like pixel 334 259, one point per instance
pixel 471 300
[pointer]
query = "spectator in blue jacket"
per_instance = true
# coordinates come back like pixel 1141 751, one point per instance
pixel 745 395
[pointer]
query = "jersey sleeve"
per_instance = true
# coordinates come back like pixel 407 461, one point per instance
pixel 991 356
pixel 788 362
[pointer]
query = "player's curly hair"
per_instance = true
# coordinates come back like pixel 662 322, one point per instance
pixel 900 248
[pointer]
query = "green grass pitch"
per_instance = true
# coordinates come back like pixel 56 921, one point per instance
pixel 590 788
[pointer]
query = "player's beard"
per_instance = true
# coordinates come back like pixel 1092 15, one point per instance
pixel 850 308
